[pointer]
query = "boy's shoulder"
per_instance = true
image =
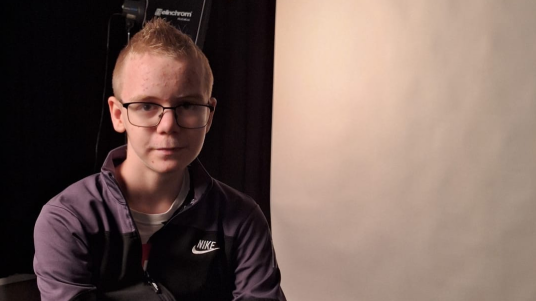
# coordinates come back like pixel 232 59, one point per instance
pixel 86 195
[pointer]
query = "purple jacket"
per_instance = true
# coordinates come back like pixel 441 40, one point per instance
pixel 216 247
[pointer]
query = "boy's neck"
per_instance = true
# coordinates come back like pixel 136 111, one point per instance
pixel 149 192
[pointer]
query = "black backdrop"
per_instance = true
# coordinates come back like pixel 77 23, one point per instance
pixel 52 102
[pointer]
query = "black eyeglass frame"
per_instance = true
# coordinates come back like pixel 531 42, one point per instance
pixel 173 109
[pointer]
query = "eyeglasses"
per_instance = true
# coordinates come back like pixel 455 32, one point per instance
pixel 187 115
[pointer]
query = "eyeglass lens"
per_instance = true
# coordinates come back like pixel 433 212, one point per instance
pixel 149 115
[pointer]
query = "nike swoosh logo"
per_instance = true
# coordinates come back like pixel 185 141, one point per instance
pixel 195 251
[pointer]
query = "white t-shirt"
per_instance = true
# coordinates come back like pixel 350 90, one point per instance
pixel 148 224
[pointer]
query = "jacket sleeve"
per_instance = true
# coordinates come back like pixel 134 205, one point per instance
pixel 62 262
pixel 257 273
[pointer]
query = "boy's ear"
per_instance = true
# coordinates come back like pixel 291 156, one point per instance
pixel 213 103
pixel 116 113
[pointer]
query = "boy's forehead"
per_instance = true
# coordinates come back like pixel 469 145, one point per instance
pixel 144 70
pixel 152 63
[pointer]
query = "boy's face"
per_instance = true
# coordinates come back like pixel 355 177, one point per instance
pixel 169 82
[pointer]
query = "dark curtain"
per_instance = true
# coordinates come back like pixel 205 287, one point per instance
pixel 53 112
pixel 240 47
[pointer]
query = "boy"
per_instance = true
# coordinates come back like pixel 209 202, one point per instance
pixel 153 225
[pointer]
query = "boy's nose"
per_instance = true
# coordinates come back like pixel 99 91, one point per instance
pixel 169 119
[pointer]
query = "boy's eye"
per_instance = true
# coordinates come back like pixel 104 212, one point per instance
pixel 144 107
pixel 148 107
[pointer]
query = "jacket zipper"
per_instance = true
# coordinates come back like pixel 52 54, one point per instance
pixel 152 283
pixel 148 279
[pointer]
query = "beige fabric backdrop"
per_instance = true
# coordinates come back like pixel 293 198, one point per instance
pixel 404 149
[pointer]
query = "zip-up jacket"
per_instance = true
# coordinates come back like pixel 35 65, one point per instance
pixel 217 246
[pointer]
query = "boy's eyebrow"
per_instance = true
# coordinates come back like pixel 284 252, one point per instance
pixel 189 97
pixel 147 98
pixel 142 98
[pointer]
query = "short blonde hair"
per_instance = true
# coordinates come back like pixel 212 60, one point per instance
pixel 159 36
